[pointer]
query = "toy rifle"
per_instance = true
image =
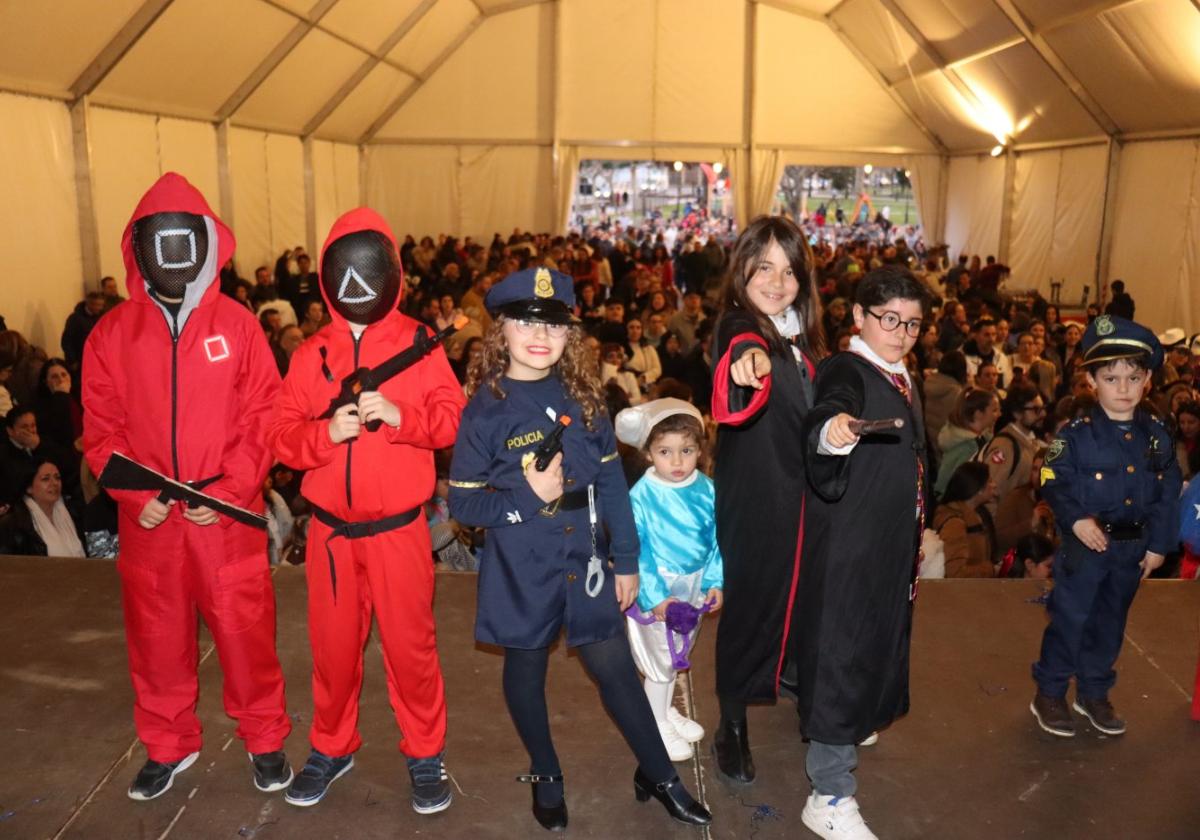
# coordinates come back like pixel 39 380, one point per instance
pixel 551 446
pixel 370 379
pixel 870 427
pixel 123 473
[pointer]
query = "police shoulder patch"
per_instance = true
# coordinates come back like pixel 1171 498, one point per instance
pixel 1056 450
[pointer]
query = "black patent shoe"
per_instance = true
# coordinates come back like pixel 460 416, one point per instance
pixel 673 796
pixel 549 817
pixel 731 749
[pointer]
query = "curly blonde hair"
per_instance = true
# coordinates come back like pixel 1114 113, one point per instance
pixel 575 368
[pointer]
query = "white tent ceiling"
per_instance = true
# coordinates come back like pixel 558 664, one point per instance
pixel 957 71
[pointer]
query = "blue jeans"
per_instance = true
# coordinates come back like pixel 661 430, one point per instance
pixel 831 768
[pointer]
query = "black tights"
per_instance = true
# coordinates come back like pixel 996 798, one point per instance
pixel 611 665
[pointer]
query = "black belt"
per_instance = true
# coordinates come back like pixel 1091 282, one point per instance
pixel 358 530
pixel 575 500
pixel 1124 532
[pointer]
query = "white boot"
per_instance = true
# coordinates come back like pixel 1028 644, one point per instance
pixel 687 728
pixel 677 748
pixel 835 818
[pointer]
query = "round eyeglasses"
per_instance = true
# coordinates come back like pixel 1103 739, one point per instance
pixel 890 321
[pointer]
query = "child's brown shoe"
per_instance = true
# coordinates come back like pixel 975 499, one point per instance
pixel 1100 714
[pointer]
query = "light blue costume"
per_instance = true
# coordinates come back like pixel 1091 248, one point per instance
pixel 679 557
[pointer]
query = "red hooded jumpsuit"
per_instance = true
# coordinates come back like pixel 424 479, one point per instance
pixel 190 402
pixel 377 475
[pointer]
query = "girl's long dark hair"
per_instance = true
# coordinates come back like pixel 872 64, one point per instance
pixel 574 368
pixel 748 251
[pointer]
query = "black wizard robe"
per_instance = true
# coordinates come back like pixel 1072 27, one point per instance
pixel 861 538
pixel 759 480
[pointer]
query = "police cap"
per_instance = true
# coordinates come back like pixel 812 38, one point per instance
pixel 535 294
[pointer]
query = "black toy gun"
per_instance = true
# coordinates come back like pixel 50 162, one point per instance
pixel 370 379
pixel 123 473
pixel 551 446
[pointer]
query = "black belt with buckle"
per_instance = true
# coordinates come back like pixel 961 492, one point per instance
pixel 574 500
pixel 1124 532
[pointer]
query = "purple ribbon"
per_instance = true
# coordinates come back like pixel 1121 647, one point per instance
pixel 682 619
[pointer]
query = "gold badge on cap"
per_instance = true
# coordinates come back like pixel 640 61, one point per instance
pixel 543 285
pixel 1104 325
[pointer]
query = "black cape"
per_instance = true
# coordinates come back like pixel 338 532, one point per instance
pixel 759 479
pixel 861 537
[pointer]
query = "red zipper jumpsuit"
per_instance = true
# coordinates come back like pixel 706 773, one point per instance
pixel 189 396
pixel 377 475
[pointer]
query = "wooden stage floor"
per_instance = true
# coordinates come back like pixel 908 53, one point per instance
pixel 968 762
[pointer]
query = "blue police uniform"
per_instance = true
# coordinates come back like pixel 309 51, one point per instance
pixel 1124 474
pixel 534 566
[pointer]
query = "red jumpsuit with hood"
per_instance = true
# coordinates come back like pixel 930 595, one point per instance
pixel 376 475
pixel 190 396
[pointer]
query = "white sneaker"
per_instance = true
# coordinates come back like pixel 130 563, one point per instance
pixel 835 818
pixel 687 728
pixel 870 741
pixel 677 748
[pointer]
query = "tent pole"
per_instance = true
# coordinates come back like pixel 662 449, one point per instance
pixel 1007 207
pixel 89 238
pixel 748 189
pixel 1104 248
pixel 310 197
pixel 556 176
pixel 943 200
pixel 224 173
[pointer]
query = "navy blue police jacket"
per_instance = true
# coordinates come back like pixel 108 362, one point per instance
pixel 534 564
pixel 1121 473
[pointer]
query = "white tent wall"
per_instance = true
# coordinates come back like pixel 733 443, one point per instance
pixel 267 173
pixel 128 153
pixel 464 190
pixel 336 189
pixel 1156 233
pixel 39 221
pixel 974 205
pixel 1058 207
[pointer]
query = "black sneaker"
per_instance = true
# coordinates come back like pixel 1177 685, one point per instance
pixel 320 771
pixel 271 771
pixel 155 778
pixel 430 784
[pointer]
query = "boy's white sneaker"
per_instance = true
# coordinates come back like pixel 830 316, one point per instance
pixel 835 818
pixel 870 741
pixel 687 728
pixel 677 748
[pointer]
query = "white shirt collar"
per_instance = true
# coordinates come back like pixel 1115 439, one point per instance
pixel 787 322
pixel 857 345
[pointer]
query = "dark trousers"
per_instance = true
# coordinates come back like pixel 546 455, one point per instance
pixel 1088 608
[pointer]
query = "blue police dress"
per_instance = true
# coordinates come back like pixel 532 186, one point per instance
pixel 1124 474
pixel 534 565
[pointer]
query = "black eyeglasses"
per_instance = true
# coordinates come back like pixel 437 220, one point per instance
pixel 1040 409
pixel 890 321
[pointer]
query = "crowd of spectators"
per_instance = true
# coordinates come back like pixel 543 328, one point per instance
pixel 998 374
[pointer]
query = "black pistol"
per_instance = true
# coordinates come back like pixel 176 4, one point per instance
pixel 551 446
